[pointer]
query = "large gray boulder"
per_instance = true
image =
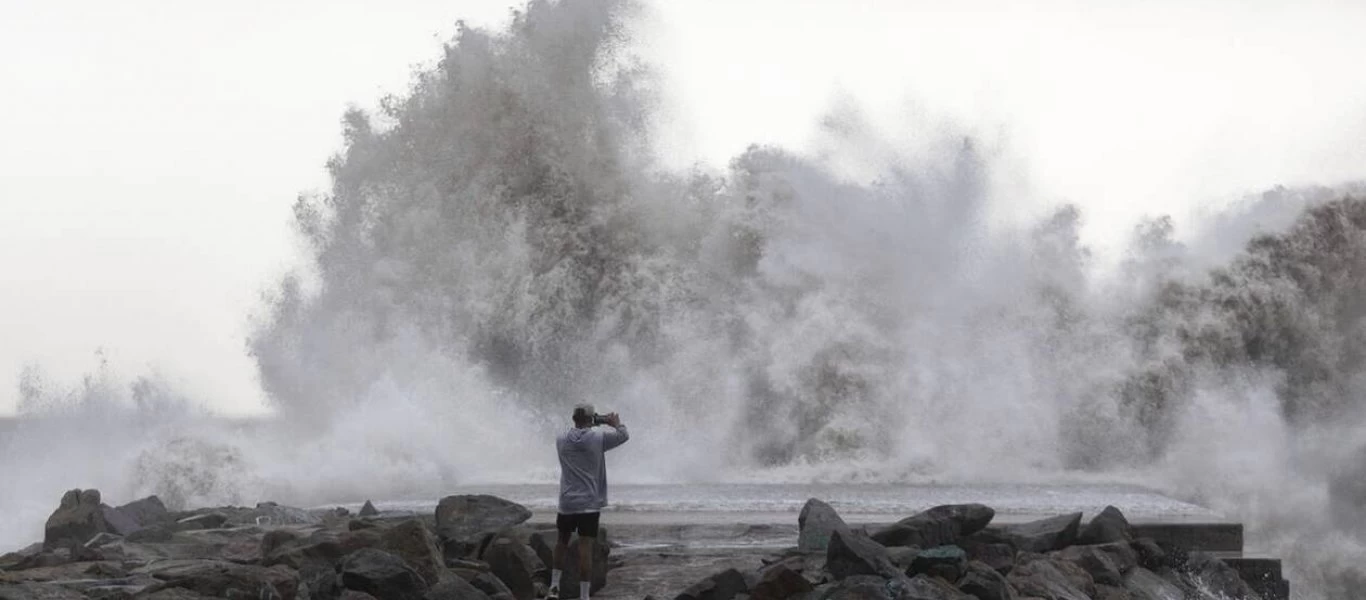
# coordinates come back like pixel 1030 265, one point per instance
pixel 938 526
pixel 1044 535
pixel 779 582
pixel 985 583
pixel 851 553
pixel 462 516
pixel 79 517
pixel 411 541
pixel 1106 527
pixel 516 564
pixel 722 586
pixel 815 524
pixel 382 575
pixel 1106 563
pixel 146 512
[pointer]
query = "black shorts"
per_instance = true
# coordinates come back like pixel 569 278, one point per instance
pixel 584 523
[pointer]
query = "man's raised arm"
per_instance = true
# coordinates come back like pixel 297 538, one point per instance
pixel 617 435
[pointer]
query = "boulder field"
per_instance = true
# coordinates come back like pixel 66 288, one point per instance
pixel 480 547
pixel 473 547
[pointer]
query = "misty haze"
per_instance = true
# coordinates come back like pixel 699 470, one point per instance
pixel 957 284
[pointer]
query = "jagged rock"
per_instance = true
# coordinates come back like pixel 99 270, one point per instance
pixel 1044 535
pixel 78 517
pixel 938 526
pixel 369 510
pixel 1050 578
pixel 117 522
pixel 355 595
pixel 455 588
pixel 1108 526
pixel 852 553
pixel 725 585
pixel 945 562
pixel 1106 563
pixel 516 565
pixel 459 517
pixel 357 525
pixel 494 587
pixel 412 542
pixel 219 579
pixel 146 512
pixel 382 574
pixel 815 524
pixel 1143 584
pixel 779 582
pixel 985 583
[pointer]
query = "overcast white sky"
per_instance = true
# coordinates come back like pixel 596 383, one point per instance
pixel 151 148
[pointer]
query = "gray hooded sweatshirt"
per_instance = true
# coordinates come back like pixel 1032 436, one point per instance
pixel 583 466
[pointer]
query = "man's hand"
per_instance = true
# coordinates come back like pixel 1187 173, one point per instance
pixel 613 420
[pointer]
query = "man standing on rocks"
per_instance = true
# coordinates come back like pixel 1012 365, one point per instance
pixel 583 489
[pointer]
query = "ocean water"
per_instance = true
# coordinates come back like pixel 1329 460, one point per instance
pixel 765 504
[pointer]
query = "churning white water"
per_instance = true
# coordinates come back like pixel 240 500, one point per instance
pixel 500 243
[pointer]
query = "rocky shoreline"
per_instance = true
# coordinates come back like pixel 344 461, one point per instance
pixel 481 547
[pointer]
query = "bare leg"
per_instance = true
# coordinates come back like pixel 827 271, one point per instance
pixel 558 557
pixel 585 559
pixel 561 549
